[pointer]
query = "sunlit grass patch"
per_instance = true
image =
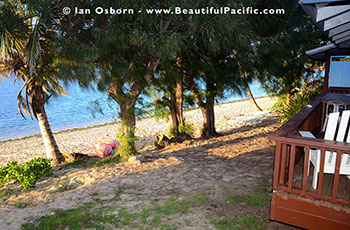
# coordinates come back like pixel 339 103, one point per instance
pixel 245 222
pixel 250 199
pixel 93 162
pixel 99 214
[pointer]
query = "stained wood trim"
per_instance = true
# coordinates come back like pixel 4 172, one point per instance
pixel 307 214
pixel 277 165
pixel 306 163
pixel 291 168
pixel 315 143
pixel 320 179
pixel 336 176
pixel 283 163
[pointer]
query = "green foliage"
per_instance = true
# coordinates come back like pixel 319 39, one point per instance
pixel 27 173
pixel 283 64
pixel 99 215
pixel 64 187
pixel 185 128
pixel 97 163
pixel 73 218
pixel 106 162
pixel 251 199
pixel 298 102
pixel 248 221
pixel 127 146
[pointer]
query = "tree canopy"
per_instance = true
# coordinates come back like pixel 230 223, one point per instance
pixel 205 54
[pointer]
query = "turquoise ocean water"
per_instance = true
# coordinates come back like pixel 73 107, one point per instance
pixel 64 112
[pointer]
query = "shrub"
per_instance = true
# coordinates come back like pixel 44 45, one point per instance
pixel 27 173
pixel 298 102
pixel 186 128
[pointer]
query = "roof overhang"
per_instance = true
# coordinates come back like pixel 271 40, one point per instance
pixel 333 17
pixel 320 53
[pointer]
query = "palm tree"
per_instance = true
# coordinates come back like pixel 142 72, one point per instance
pixel 26 54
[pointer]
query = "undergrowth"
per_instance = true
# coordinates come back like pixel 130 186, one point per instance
pixel 186 128
pixel 298 102
pixel 27 174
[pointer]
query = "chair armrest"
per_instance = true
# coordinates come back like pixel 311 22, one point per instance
pixel 306 134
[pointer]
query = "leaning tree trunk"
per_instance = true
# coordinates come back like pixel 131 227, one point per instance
pixel 252 99
pixel 247 89
pixel 52 150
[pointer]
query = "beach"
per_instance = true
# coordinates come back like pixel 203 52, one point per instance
pixel 81 140
pixel 208 179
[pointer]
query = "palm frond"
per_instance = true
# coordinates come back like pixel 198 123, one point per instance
pixel 30 94
pixel 53 85
pixel 8 45
pixel 22 104
pixel 4 71
pixel 32 50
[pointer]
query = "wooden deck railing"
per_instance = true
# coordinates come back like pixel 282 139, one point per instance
pixel 292 158
pixel 286 178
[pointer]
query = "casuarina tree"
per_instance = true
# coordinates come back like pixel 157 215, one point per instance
pixel 124 51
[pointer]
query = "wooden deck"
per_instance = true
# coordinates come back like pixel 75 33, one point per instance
pixel 294 201
pixel 343 192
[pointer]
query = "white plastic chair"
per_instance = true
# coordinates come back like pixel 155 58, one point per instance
pixel 330 158
pixel 335 107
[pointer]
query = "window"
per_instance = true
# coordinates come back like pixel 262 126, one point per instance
pixel 339 72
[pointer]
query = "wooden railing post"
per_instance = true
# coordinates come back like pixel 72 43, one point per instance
pixel 291 168
pixel 284 169
pixel 306 169
pixel 283 163
pixel 336 176
pixel 320 178
pixel 277 165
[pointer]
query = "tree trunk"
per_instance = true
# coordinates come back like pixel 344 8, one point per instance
pixel 127 127
pixel 288 98
pixel 127 101
pixel 52 150
pixel 179 101
pixel 252 99
pixel 38 108
pixel 207 108
pixel 126 132
pixel 174 117
pixel 176 107
pixel 247 88
pixel 208 127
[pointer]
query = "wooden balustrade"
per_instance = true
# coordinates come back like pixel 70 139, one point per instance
pixel 286 162
pixel 294 201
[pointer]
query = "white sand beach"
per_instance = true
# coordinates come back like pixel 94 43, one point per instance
pixel 81 140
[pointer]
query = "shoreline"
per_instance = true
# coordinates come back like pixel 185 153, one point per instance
pixel 116 122
pixel 81 140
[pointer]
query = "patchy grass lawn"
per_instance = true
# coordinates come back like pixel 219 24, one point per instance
pixel 176 212
pixel 218 183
